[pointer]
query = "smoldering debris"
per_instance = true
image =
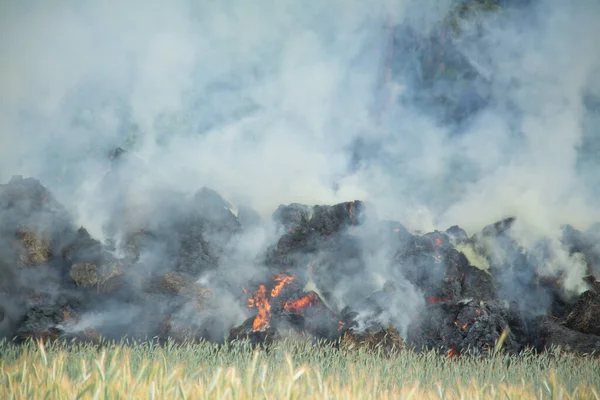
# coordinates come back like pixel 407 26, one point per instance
pixel 553 333
pixel 316 280
pixel 584 315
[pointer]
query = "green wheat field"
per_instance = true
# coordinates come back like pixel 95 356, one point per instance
pixel 286 370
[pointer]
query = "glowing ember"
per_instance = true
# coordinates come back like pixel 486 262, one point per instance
pixel 453 353
pixel 434 299
pixel 438 241
pixel 260 301
pixel 282 281
pixel 303 302
pixel 464 326
pixel 341 325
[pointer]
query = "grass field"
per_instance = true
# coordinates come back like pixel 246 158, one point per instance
pixel 289 370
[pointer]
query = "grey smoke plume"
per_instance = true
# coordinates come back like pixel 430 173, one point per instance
pixel 277 102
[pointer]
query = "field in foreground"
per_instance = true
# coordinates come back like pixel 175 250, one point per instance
pixel 287 370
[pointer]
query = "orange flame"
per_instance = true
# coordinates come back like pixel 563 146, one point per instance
pixel 341 325
pixel 464 326
pixel 281 282
pixel 453 353
pixel 298 305
pixel 260 301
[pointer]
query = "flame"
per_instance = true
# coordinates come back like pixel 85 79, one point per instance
pixel 438 241
pixel 464 326
pixel 453 353
pixel 298 305
pixel 281 282
pixel 341 325
pixel 260 301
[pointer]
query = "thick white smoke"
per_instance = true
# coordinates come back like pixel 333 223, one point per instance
pixel 262 100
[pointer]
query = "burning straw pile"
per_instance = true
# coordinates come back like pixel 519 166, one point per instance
pixel 166 280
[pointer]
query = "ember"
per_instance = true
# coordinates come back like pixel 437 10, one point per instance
pixel 435 299
pixel 453 353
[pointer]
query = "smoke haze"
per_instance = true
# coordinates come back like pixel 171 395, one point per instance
pixel 278 102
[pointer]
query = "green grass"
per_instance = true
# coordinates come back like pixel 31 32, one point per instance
pixel 287 370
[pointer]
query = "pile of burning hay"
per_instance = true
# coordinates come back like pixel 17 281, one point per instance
pixel 172 278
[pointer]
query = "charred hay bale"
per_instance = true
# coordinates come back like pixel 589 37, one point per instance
pixel 177 284
pixel 463 327
pixel 83 248
pixel 554 334
pixel 204 231
pixel 456 234
pixel 34 248
pixel 387 339
pixel 212 206
pixel 293 215
pixel 87 335
pixel 85 274
pixel 584 315
pixel 106 278
pixel 90 335
pixel 476 284
pixel 27 196
pixel 27 203
pixel 197 252
pixel 498 228
pixel 33 223
pixel 181 328
pixel 177 332
pixel 45 336
pixel 44 320
pixel 310 230
pixel 584 243
pixel 328 220
pixel 426 261
pixel 244 333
